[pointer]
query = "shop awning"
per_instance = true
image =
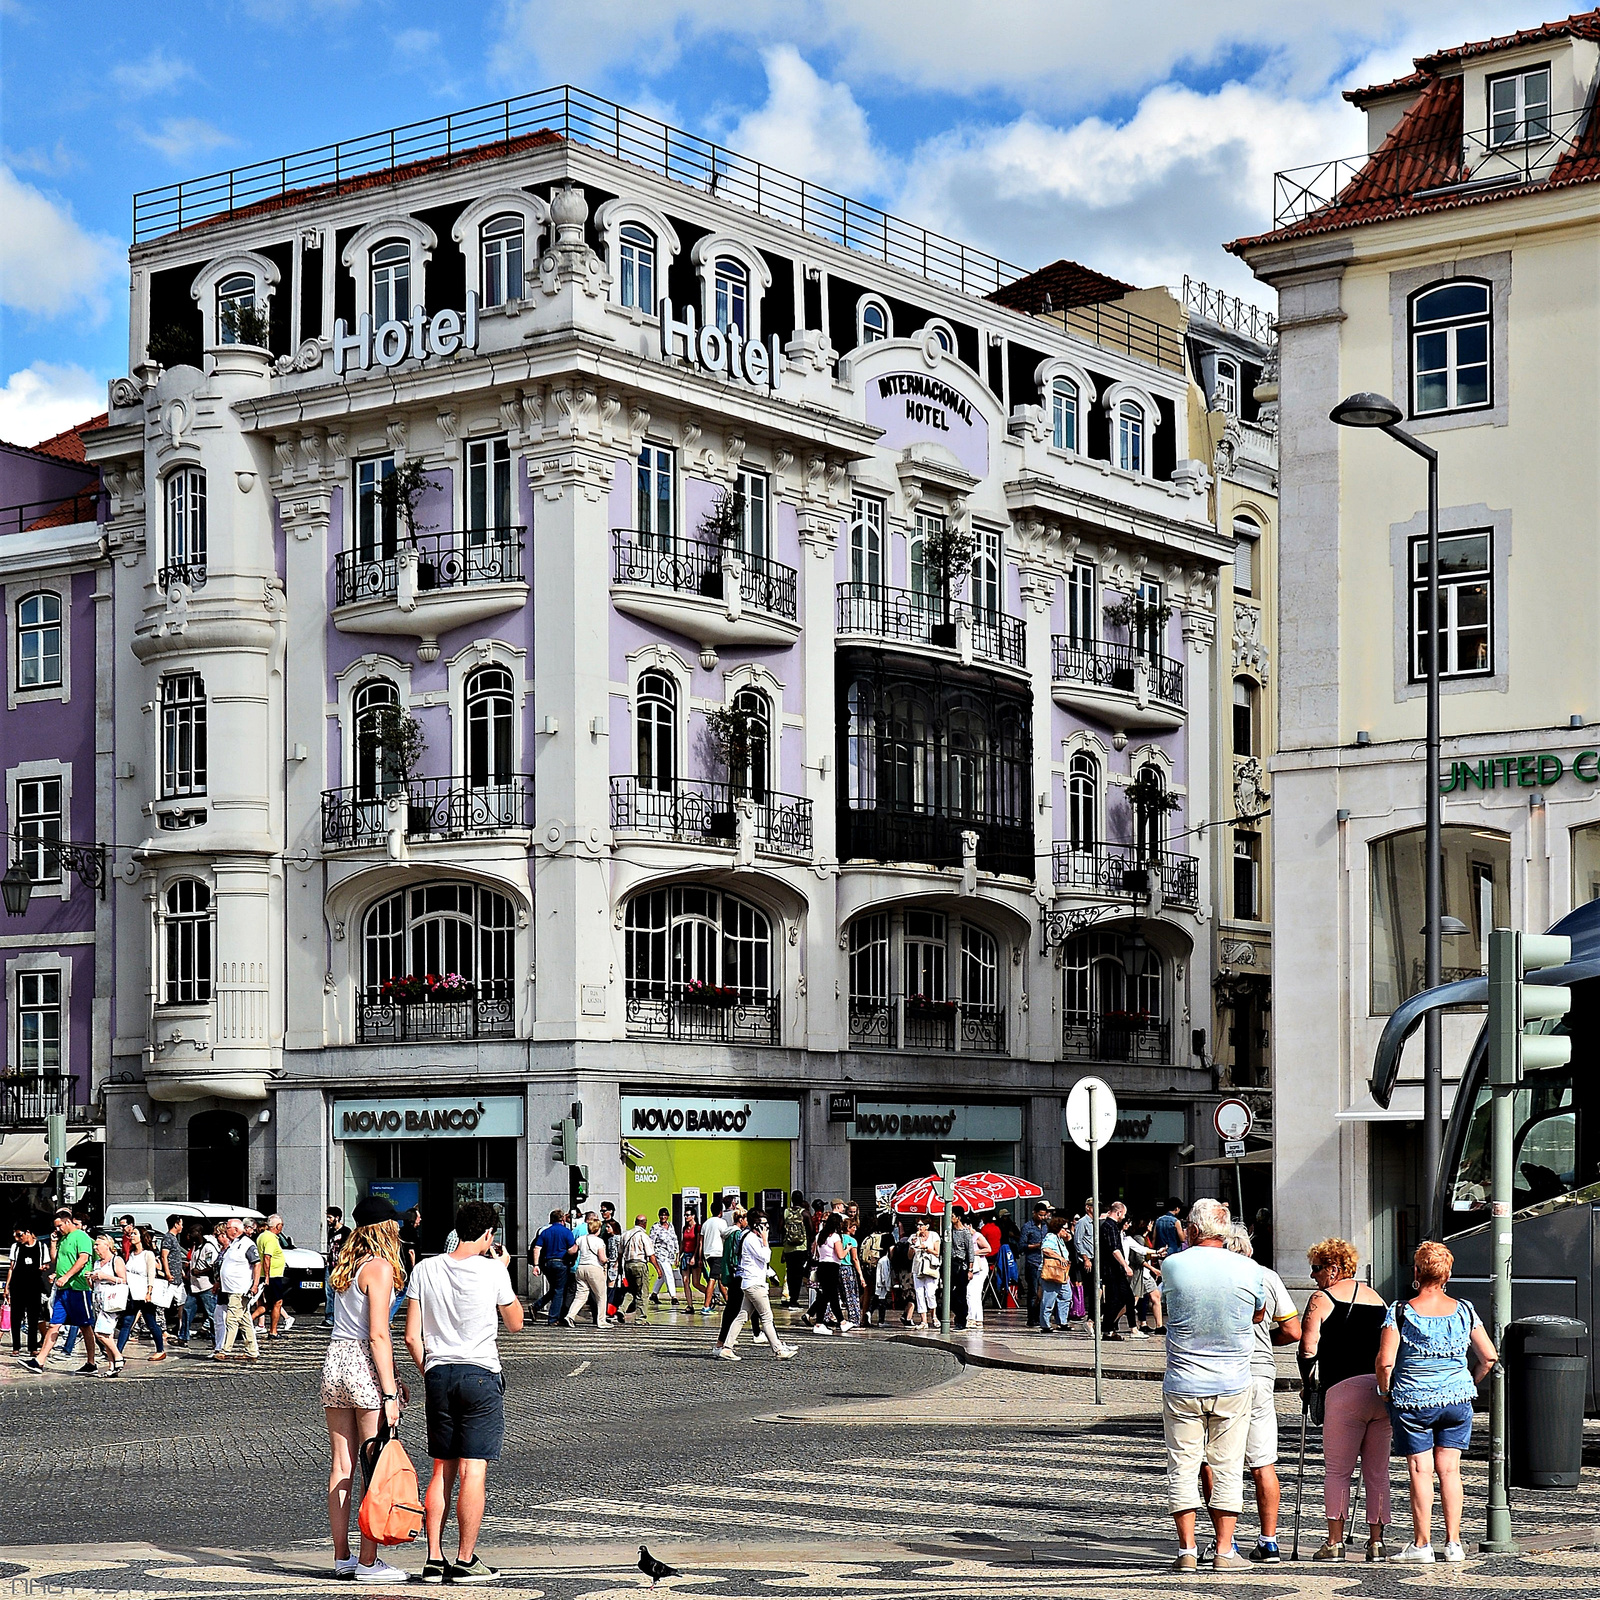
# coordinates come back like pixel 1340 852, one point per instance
pixel 24 1158
pixel 1251 1158
pixel 1405 1105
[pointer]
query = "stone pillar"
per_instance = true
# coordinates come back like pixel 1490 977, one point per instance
pixel 1037 1033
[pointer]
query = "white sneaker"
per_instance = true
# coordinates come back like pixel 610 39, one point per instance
pixel 725 1354
pixel 1454 1552
pixel 381 1572
pixel 786 1352
pixel 846 1327
pixel 1420 1553
pixel 288 1322
pixel 345 1568
pixel 824 1329
pixel 1138 1333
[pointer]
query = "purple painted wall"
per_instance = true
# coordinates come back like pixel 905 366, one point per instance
pixel 26 477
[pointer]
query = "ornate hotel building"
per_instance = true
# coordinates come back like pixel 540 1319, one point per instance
pixel 600 630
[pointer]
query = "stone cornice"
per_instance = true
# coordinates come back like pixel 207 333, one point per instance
pixel 1076 512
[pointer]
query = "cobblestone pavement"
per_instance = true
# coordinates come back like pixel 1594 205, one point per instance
pixel 756 1478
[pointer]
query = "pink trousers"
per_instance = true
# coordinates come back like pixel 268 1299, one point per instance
pixel 1355 1423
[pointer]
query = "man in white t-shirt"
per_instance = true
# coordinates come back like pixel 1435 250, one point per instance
pixel 712 1237
pixel 238 1277
pixel 455 1304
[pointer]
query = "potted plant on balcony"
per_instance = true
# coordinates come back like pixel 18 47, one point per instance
pixel 245 324
pixel 1150 800
pixel 947 561
pixel 1144 621
pixel 722 526
pixel 399 495
pixel 393 739
pixel 714 996
pixel 733 731
pixel 1118 1030
pixel 923 1005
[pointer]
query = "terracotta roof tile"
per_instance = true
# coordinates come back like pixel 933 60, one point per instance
pixel 68 444
pixel 80 507
pixel 1580 25
pixel 1067 284
pixel 1412 80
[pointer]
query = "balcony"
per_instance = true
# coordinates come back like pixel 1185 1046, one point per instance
pixel 921 621
pixel 1143 1041
pixel 1105 869
pixel 484 1016
pixel 426 808
pixel 28 1098
pixel 706 811
pixel 191 574
pixel 741 1021
pixel 944 1026
pixel 710 593
pixel 1116 684
pixel 437 582
pixel 896 834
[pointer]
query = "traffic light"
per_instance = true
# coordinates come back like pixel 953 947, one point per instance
pixel 565 1142
pixel 1521 1014
pixel 579 1177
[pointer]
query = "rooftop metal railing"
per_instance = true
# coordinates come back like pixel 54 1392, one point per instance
pixel 1229 311
pixel 63 511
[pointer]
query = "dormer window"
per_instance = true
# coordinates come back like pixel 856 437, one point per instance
pixel 946 338
pixel 391 282
pixel 731 292
pixel 1064 414
pixel 1450 348
pixel 1519 107
pixel 874 322
pixel 637 253
pixel 234 295
pixel 1130 436
pixel 1225 394
pixel 502 259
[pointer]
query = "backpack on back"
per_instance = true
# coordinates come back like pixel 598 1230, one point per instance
pixel 391 1509
pixel 732 1247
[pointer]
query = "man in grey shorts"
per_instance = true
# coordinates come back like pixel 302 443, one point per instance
pixel 452 1303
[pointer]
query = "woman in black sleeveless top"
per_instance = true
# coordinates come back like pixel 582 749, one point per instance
pixel 1339 1333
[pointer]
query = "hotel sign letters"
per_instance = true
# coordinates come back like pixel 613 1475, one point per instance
pixel 929 401
pixel 719 350
pixel 442 334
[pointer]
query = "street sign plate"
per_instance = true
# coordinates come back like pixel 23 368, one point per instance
pixel 1233 1119
pixel 1233 1148
pixel 1105 1114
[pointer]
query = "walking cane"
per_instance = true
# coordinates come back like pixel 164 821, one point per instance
pixel 1300 1472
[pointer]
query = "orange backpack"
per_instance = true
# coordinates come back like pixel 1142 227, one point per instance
pixel 391 1509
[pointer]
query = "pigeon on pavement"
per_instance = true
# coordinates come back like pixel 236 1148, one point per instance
pixel 654 1570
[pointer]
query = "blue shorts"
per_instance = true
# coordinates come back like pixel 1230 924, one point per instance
pixel 466 1412
pixel 72 1308
pixel 1420 1429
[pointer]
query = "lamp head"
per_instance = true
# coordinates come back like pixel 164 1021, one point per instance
pixel 1366 411
pixel 16 887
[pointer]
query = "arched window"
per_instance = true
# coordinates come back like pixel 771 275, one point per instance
pixel 185 527
pixel 444 928
pixel 1083 802
pixel 490 745
pixel 924 955
pixel 1225 392
pixel 1130 436
pixel 1450 347
pixel 637 279
pixel 391 282
pixel 868 940
pixel 731 286
pixel 502 259
pixel 236 293
pixel 874 322
pixel 1245 536
pixel 656 724
pixel 377 774
pixel 750 764
pixel 1112 995
pixel 684 939
pixel 980 969
pixel 1150 819
pixel 39 641
pixel 946 338
pixel 966 762
pixel 903 753
pixel 866 543
pixel 1244 717
pixel 186 943
pixel 1064 414
pixel 986 573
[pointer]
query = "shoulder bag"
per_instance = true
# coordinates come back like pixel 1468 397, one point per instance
pixel 1053 1267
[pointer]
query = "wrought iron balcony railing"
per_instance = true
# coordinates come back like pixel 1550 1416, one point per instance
pixel 445 560
pixel 1104 869
pixel 192 573
pixel 62 512
pixel 892 833
pixel 896 1023
pixel 31 1097
pixel 1103 665
pixel 704 811
pixel 752 1020
pixel 694 566
pixel 449 808
pixel 909 616
pixel 1114 1038
pixel 488 1015
pixel 1229 311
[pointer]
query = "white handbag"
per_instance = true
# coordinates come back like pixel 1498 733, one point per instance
pixel 113 1298
pixel 164 1293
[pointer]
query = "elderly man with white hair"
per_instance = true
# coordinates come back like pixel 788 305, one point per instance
pixel 1214 1299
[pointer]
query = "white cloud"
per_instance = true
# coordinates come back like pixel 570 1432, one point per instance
pixel 53 163
pixel 416 44
pixel 180 138
pixel 48 263
pixel 43 399
pixel 809 127
pixel 155 74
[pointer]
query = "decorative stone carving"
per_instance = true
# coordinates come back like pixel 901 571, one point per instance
pixel 447 421
pixel 1238 952
pixel 398 432
pixel 1199 630
pixel 124 392
pixel 1250 798
pixel 1250 652
pixel 1028 423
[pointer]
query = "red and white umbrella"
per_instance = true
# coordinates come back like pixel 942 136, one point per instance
pixel 979 1191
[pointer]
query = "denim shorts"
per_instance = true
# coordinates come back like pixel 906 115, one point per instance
pixel 1419 1429
pixel 466 1412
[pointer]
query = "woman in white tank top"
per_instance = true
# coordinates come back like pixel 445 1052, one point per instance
pixel 358 1376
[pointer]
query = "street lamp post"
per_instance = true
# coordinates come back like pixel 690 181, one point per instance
pixel 1378 411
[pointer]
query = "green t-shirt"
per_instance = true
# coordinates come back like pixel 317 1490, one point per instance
pixel 272 1252
pixel 74 1248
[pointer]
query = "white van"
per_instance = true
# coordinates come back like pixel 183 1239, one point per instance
pixel 302 1269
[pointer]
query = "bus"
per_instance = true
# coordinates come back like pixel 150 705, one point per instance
pixel 1555 1160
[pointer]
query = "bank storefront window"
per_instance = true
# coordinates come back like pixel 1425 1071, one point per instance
pixel 684 1151
pixel 893 1141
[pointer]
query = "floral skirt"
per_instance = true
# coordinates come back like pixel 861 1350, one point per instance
pixel 349 1377
pixel 851 1285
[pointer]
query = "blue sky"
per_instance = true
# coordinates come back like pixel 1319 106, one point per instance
pixel 1035 129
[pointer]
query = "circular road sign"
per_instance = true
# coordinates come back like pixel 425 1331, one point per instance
pixel 1105 1114
pixel 1233 1119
